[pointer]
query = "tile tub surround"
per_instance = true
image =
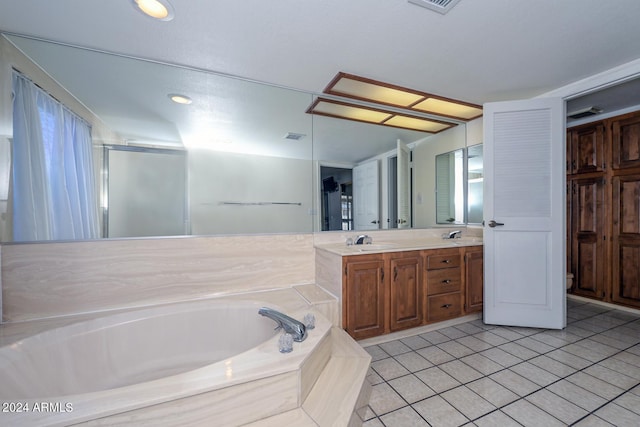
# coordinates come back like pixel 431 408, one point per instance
pixel 42 280
pixel 269 382
pixel 484 375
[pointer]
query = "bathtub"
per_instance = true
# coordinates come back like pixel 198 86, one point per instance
pixel 140 361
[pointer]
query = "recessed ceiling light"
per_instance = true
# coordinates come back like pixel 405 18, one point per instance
pixel 180 99
pixel 158 9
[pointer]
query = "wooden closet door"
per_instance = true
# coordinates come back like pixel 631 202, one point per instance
pixel 626 142
pixel 626 240
pixel 588 234
pixel 587 149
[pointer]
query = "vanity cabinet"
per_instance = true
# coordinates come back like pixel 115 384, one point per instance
pixel 392 291
pixel 364 295
pixel 444 284
pixel 406 291
pixel 474 279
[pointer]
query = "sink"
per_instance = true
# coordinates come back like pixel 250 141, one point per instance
pixel 376 247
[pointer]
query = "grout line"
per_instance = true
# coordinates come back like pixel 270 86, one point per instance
pixel 595 314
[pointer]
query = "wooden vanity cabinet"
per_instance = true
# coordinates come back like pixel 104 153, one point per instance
pixel 389 292
pixel 364 295
pixel 406 293
pixel 474 278
pixel 443 278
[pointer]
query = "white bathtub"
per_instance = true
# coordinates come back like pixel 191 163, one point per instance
pixel 132 360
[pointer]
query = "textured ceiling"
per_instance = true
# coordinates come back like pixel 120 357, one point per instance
pixel 480 51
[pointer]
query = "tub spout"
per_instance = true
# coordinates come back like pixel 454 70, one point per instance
pixel 290 325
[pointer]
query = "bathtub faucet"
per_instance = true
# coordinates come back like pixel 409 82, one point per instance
pixel 290 325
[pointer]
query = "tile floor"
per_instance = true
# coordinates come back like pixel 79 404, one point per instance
pixel 481 375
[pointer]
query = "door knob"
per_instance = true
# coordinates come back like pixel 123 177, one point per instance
pixel 493 224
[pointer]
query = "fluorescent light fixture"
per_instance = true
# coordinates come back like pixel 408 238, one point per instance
pixel 157 9
pixel 364 89
pixel 180 99
pixel 360 113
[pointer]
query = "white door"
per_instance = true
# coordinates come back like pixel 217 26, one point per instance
pixel 524 213
pixel 366 190
pixel 404 187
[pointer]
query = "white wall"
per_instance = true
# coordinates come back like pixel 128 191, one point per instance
pixel 217 177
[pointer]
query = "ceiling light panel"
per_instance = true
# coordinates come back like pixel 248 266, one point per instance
pixel 349 111
pixel 448 108
pixel 344 110
pixel 364 89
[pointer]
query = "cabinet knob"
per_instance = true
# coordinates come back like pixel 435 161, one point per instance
pixel 446 281
pixel 446 305
pixel 446 261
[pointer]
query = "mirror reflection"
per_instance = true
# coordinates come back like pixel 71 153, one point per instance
pixel 475 182
pixel 450 187
pixel 238 157
pixel 459 186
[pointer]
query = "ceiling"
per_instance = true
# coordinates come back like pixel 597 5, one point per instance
pixel 480 51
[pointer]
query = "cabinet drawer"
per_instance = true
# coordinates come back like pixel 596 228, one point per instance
pixel 444 280
pixel 445 306
pixel 443 261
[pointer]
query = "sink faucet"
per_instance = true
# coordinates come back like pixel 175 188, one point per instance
pixel 454 234
pixel 362 239
pixel 290 325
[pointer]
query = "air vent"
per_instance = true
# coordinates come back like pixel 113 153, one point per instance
pixel 294 136
pixel 584 112
pixel 440 6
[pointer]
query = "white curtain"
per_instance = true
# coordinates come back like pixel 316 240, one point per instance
pixel 53 182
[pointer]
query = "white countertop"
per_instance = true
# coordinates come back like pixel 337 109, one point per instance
pixel 399 245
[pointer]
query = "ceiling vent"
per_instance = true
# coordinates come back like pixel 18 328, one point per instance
pixel 440 6
pixel 584 112
pixel 294 136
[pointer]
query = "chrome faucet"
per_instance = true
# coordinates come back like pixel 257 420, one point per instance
pixel 291 326
pixel 362 239
pixel 454 234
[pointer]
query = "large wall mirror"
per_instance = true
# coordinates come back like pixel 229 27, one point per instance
pixel 459 186
pixel 247 156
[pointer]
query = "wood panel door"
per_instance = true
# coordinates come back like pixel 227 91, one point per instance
pixel 626 142
pixel 587 237
pixel 406 290
pixel 626 240
pixel 474 279
pixel 365 296
pixel 587 149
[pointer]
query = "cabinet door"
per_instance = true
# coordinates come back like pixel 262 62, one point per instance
pixel 626 142
pixel 626 240
pixel 587 149
pixel 474 279
pixel 406 291
pixel 365 296
pixel 587 237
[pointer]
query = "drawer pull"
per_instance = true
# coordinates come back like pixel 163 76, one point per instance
pixel 446 281
pixel 446 305
pixel 446 261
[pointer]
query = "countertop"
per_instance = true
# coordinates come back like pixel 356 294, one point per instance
pixel 399 246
